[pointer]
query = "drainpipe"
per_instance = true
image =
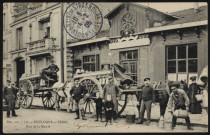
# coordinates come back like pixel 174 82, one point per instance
pixel 62 46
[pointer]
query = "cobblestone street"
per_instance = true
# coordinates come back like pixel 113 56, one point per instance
pixel 40 120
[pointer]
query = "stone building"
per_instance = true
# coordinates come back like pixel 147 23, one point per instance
pixel 36 37
pixel 147 43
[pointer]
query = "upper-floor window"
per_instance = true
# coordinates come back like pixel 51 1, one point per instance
pixel 19 38
pixel 44 29
pixel 182 62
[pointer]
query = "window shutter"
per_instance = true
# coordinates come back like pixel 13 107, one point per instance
pixel 159 61
pixel 97 62
pixel 201 57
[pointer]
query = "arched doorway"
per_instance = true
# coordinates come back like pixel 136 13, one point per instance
pixel 20 69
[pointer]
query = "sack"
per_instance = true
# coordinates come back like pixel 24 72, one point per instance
pixel 17 105
pixel 180 113
pixel 199 97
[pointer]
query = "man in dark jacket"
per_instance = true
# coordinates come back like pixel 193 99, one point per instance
pixel 10 96
pixel 50 73
pixel 147 96
pixel 78 92
pixel 180 99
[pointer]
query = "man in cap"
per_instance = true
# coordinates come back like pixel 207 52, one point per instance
pixel 50 73
pixel 179 100
pixel 147 97
pixel 78 92
pixel 113 90
pixel 194 89
pixel 10 95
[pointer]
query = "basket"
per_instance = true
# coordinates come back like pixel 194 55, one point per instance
pixel 180 113
pixel 199 97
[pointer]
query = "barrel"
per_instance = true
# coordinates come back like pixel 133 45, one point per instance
pixel 130 117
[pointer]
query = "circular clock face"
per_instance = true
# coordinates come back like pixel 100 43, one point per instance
pixel 128 21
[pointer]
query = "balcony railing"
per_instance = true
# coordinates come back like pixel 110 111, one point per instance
pixel 39 45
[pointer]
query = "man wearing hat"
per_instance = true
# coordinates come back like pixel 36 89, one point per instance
pixel 10 95
pixel 113 90
pixel 179 100
pixel 194 89
pixel 78 92
pixel 147 97
pixel 50 73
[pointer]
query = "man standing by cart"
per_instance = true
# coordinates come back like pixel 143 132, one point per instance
pixel 10 96
pixel 147 97
pixel 112 89
pixel 78 92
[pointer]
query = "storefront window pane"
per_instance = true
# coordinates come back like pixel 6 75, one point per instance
pixel 129 55
pixel 192 51
pixel 182 66
pixel 192 65
pixel 135 54
pixel 181 52
pixel 171 66
pixel 172 52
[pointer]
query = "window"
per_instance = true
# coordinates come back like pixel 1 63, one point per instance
pixel 19 38
pixel 91 63
pixel 77 65
pixel 44 29
pixel 181 61
pixel 128 60
pixel 5 48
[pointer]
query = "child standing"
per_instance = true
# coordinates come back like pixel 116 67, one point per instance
pixel 99 105
pixel 109 105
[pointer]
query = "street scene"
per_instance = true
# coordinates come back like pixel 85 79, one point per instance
pixel 83 67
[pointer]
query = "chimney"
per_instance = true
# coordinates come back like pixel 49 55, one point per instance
pixel 196 7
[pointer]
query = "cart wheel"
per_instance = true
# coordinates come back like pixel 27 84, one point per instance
pixel 26 93
pixel 122 104
pixel 93 86
pixel 48 99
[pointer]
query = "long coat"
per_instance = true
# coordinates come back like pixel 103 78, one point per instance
pixel 10 96
pixel 113 90
pixel 195 106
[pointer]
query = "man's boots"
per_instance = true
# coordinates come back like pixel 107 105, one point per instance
pixel 83 114
pixel 77 113
pixel 188 123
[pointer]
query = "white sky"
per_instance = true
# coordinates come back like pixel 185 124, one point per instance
pixel 172 6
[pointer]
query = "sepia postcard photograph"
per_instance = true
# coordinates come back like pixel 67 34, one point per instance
pixel 105 67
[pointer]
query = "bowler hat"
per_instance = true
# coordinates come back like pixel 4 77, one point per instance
pixel 193 78
pixel 146 79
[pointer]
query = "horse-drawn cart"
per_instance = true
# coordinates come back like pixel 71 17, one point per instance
pixel 29 87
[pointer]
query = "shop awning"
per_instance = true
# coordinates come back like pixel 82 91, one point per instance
pixel 88 41
pixel 128 44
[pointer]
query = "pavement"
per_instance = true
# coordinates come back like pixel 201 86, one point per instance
pixel 40 120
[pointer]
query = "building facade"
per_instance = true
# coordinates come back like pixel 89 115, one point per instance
pixel 149 43
pixel 36 37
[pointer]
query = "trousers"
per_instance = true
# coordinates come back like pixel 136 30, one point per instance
pixel 145 105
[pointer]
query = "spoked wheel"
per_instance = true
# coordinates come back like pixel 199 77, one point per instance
pixel 26 93
pixel 122 103
pixel 93 86
pixel 48 99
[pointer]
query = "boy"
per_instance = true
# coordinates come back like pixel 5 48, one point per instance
pixel 99 105
pixel 109 105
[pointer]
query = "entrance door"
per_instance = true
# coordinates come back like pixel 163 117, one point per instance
pixel 20 69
